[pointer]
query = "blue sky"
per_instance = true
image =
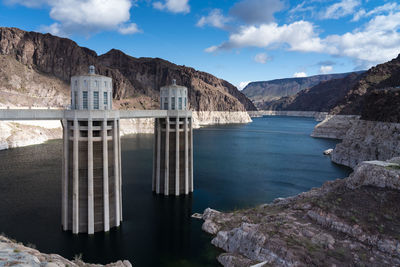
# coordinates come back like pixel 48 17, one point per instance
pixel 240 41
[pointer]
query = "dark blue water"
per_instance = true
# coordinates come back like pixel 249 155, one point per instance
pixel 236 166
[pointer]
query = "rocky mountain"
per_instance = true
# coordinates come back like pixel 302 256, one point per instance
pixel 321 97
pixel 266 91
pixel 371 96
pixel 136 81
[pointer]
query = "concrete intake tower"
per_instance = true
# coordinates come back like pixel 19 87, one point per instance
pixel 91 181
pixel 173 149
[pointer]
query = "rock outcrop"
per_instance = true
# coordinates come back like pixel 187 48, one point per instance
pixel 368 140
pixel 16 254
pixel 334 126
pixel 347 222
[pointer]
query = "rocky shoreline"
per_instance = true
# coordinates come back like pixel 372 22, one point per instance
pixel 25 133
pixel 13 253
pixel 362 140
pixel 347 222
pixel 319 116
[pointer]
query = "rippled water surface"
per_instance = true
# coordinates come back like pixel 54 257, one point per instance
pixel 236 166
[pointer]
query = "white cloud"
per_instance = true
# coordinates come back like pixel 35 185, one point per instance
pixel 300 36
pixel 388 7
pixel 211 49
pixel 375 42
pixel 299 75
pixel 341 9
pixel 174 6
pixel 129 29
pixel 55 29
pixel 215 18
pixel 256 11
pixel 85 17
pixel 242 85
pixel 261 58
pixel 325 69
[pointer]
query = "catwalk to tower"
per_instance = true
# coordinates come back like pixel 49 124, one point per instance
pixel 173 149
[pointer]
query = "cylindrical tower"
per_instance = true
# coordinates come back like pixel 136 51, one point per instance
pixel 173 143
pixel 91 181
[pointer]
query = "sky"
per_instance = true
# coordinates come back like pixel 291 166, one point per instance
pixel 239 41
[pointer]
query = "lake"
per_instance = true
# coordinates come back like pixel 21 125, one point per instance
pixel 235 166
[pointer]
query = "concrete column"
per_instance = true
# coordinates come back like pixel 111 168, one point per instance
pixel 116 172
pixel 120 172
pixel 177 157
pixel 153 181
pixel 191 155
pixel 158 172
pixel 64 183
pixel 106 197
pixel 166 176
pixel 90 179
pixel 186 157
pixel 75 193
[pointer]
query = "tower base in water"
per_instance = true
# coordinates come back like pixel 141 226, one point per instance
pixel 173 154
pixel 91 181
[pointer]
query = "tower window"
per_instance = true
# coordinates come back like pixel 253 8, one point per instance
pixel 166 103
pixel 84 100
pixel 180 103
pixel 105 100
pixel 172 103
pixel 76 99
pixel 185 103
pixel 95 100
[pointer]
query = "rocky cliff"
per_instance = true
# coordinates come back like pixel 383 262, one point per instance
pixel 263 92
pixel 368 140
pixel 347 222
pixel 367 95
pixel 136 81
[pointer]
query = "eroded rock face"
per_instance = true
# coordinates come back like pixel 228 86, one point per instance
pixel 349 221
pixel 368 140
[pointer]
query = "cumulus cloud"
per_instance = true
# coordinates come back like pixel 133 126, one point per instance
pixel 375 42
pixel 299 75
pixel 174 6
pixel 261 58
pixel 215 19
pixel 242 85
pixel 300 36
pixel 341 9
pixel 256 11
pixel 85 17
pixel 325 69
pixel 129 29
